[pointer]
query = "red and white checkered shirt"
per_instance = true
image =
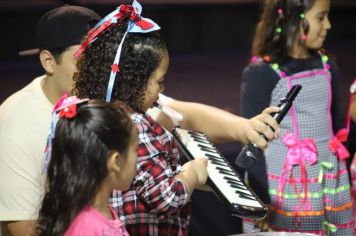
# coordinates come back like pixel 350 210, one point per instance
pixel 156 203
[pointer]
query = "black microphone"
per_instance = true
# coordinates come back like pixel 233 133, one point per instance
pixel 251 152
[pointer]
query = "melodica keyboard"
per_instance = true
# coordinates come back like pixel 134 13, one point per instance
pixel 223 179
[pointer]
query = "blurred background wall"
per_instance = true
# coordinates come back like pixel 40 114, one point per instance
pixel 202 35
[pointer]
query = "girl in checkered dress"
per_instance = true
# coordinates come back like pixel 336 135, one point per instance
pixel 157 202
pixel 125 58
pixel 305 173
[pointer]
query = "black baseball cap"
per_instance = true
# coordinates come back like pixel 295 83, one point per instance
pixel 62 27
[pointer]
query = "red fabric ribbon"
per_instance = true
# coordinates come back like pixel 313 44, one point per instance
pixel 91 36
pixel 69 111
pixel 136 18
pixel 336 145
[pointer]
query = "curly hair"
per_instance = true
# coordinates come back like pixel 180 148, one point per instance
pixel 140 56
pixel 78 164
pixel 278 45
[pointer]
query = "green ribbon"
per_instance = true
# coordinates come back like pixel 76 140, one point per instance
pixel 324 164
pixel 330 227
pixel 345 187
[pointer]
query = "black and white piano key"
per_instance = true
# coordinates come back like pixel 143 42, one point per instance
pixel 220 172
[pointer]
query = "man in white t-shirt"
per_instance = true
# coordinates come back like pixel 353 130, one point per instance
pixel 25 116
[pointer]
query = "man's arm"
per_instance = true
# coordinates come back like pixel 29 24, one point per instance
pixel 222 126
pixel 353 101
pixel 353 108
pixel 18 228
pixel 21 183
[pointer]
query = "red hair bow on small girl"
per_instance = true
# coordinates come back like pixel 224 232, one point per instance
pixel 67 107
pixel 69 112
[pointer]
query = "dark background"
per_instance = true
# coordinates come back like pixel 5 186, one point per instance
pixel 209 44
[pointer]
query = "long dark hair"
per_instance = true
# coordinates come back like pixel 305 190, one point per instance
pixel 140 56
pixel 267 39
pixel 78 161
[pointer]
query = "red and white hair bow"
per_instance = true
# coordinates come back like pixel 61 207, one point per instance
pixel 137 24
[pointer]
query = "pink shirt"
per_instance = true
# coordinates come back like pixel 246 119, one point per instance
pixel 90 222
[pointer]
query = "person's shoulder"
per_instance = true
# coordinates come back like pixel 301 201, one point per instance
pixel 257 69
pixel 332 62
pixel 91 222
pixel 25 103
pixel 329 59
pixel 257 66
pixel 85 223
pixel 23 97
pixel 138 117
pixel 325 56
pixel 141 121
pixel 259 73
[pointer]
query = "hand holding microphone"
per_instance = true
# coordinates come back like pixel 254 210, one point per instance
pixel 251 152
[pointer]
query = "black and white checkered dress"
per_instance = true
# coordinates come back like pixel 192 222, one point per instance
pixel 314 195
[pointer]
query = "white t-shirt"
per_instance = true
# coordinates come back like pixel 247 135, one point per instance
pixel 25 119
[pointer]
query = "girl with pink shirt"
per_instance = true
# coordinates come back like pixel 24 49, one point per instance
pixel 93 151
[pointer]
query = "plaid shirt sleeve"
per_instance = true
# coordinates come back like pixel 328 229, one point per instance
pixel 157 165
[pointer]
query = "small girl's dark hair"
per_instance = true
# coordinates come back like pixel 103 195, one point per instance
pixel 279 28
pixel 140 56
pixel 78 162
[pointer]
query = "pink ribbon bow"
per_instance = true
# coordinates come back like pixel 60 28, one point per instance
pixel 299 151
pixel 336 145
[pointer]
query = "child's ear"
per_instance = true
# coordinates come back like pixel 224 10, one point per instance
pixel 113 162
pixel 47 61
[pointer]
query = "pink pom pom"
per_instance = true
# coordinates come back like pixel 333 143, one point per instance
pixel 254 59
